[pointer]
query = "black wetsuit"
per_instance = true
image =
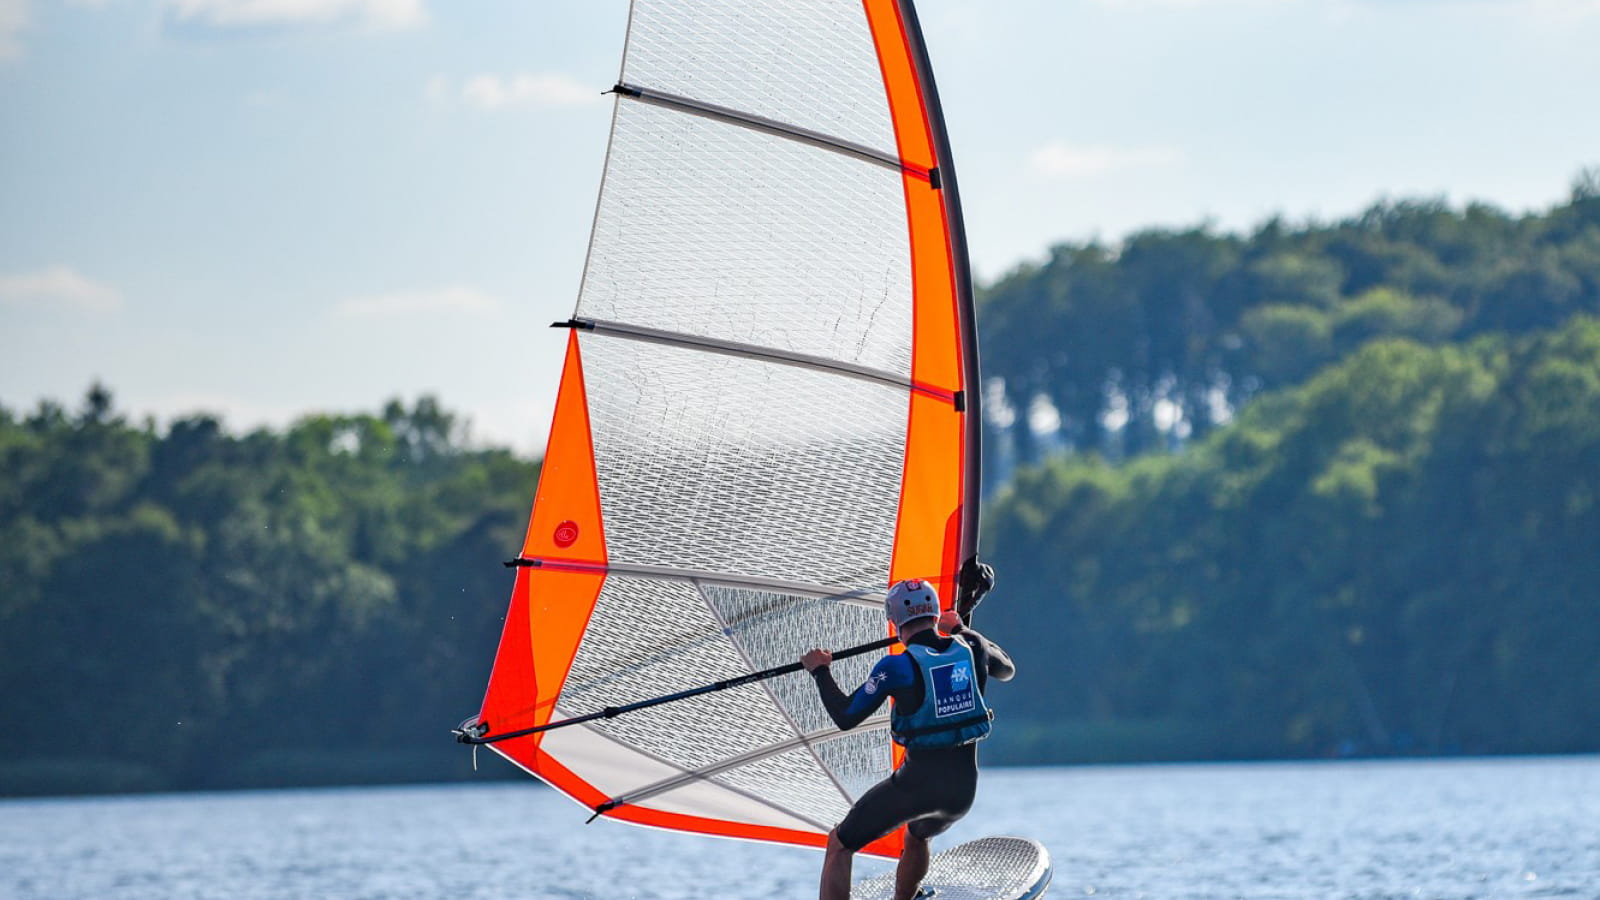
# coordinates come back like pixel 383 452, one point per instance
pixel 935 787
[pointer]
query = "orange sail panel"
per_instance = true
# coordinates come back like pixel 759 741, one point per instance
pixel 767 416
pixel 551 607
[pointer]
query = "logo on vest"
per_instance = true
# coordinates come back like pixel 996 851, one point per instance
pixel 952 689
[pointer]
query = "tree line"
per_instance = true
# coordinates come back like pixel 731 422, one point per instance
pixel 1401 555
pixel 1312 491
pixel 187 608
pixel 1147 344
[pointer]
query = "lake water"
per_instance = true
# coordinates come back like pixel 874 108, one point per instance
pixel 1430 829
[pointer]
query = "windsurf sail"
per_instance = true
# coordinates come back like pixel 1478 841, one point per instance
pixel 768 413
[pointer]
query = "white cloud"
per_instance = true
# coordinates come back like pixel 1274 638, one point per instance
pixel 1063 160
pixel 13 18
pixel 58 286
pixel 288 13
pixel 452 300
pixel 494 92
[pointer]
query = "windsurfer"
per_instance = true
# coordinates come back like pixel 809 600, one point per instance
pixel 939 716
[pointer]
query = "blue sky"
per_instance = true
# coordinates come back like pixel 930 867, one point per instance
pixel 263 208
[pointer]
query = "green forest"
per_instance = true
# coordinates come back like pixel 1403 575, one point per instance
pixel 1350 504
pixel 1315 490
pixel 185 608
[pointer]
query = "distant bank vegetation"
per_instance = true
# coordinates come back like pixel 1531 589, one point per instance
pixel 188 608
pixel 1317 490
pixel 1401 555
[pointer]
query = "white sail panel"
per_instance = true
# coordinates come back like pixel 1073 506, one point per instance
pixel 647 637
pixel 711 229
pixel 724 464
pixel 809 63
pixel 858 759
pixel 600 760
pixel 770 629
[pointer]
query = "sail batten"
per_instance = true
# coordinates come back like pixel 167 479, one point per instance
pixel 865 598
pixel 770 126
pixel 749 351
pixel 767 417
pixel 769 354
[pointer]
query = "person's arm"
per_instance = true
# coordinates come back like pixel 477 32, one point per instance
pixel 998 662
pixel 849 711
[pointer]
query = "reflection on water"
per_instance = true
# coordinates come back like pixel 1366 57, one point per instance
pixel 1431 829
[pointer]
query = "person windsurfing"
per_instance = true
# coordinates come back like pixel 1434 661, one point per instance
pixel 939 716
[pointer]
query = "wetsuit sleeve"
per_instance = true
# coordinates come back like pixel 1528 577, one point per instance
pixel 996 661
pixel 891 673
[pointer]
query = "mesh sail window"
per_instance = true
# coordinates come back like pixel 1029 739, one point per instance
pixel 767 415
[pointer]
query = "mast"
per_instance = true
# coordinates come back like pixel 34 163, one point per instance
pixel 972 382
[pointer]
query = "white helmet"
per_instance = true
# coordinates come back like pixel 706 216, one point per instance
pixel 910 600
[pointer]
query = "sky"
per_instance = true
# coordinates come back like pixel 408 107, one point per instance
pixel 262 209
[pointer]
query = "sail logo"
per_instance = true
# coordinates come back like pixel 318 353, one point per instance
pixel 566 534
pixel 952 689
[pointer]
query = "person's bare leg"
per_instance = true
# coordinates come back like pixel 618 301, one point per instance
pixel 836 870
pixel 912 869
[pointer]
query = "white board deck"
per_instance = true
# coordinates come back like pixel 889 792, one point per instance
pixel 995 868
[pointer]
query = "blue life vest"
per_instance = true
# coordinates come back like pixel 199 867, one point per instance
pixel 952 711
